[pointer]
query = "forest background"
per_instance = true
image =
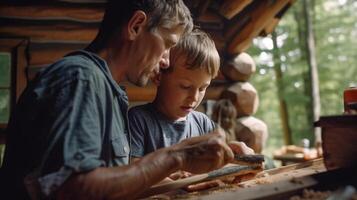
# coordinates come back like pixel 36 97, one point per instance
pixel 314 38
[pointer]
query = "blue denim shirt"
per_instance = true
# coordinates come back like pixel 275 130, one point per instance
pixel 70 119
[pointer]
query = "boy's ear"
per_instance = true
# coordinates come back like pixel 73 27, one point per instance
pixel 156 78
pixel 136 24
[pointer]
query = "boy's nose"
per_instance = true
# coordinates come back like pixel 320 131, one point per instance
pixel 195 95
pixel 165 60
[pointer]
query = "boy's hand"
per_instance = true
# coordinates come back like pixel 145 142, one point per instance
pixel 240 148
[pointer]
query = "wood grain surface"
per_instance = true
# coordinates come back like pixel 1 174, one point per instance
pixel 228 170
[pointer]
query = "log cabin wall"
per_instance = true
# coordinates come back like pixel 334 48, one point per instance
pixel 47 30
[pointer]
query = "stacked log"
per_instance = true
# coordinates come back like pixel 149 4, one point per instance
pixel 243 98
pixel 252 131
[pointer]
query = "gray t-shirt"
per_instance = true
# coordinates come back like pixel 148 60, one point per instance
pixel 150 130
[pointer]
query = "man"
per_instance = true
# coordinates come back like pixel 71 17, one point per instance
pixel 68 136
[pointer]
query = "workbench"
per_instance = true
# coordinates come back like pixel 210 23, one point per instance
pixel 277 183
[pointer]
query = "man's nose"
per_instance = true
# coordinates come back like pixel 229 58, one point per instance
pixel 165 60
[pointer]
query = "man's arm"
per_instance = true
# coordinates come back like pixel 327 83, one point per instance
pixel 195 155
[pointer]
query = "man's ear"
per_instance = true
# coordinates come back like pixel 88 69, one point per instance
pixel 136 24
pixel 156 78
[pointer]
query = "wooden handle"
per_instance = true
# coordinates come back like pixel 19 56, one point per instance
pixel 248 159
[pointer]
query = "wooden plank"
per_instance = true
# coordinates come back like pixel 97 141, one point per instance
pixel 219 41
pixel 275 21
pixel 337 121
pixel 236 25
pixel 50 33
pixel 44 54
pixel 17 48
pixel 230 8
pixel 229 170
pixel 339 147
pixel 269 191
pixel 202 7
pixel 210 21
pixel 259 19
pixel 50 12
pixel 210 17
pixel 21 64
pixel 84 1
pixel 278 183
pixel 147 94
pixel 269 28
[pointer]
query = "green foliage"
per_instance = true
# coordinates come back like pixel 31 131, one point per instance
pixel 335 27
pixel 5 67
pixel 4 105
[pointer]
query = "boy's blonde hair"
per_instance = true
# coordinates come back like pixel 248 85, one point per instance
pixel 199 51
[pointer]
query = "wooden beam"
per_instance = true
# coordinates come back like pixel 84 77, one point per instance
pixel 235 25
pixel 210 21
pixel 147 94
pixel 210 17
pixel 21 64
pixel 50 12
pixel 259 19
pixel 269 28
pixel 84 1
pixel 47 33
pixel 230 8
pixel 17 48
pixel 202 7
pixel 218 40
pixel 275 21
pixel 43 54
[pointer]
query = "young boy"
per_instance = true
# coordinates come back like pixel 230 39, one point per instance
pixel 171 117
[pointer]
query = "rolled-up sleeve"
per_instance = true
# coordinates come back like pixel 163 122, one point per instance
pixel 75 140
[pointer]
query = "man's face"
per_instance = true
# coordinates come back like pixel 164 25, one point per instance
pixel 152 53
pixel 181 90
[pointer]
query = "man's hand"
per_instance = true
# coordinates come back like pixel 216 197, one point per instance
pixel 179 175
pixel 205 153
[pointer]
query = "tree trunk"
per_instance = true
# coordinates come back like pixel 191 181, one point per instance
pixel 311 58
pixel 284 115
pixel 306 74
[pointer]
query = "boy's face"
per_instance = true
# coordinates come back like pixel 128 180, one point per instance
pixel 181 90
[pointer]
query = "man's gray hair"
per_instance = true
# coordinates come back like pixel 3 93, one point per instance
pixel 161 13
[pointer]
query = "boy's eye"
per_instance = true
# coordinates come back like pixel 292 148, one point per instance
pixel 185 87
pixel 202 89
